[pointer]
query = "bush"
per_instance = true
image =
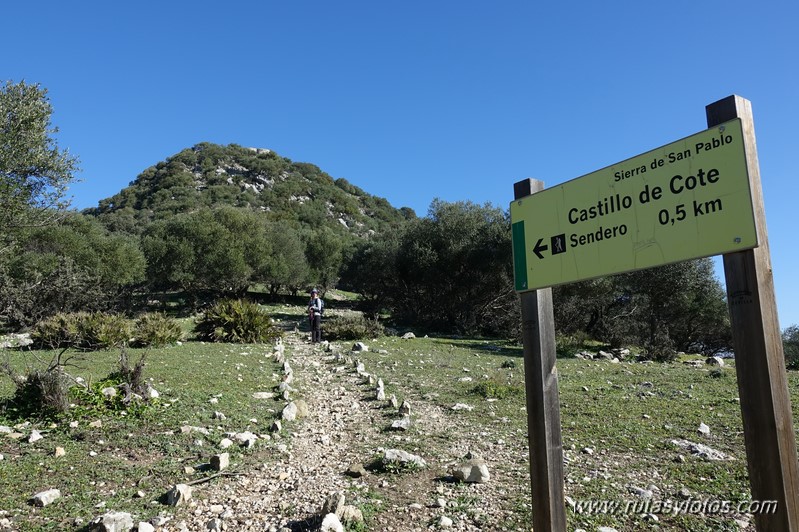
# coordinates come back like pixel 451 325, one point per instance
pixel 352 328
pixel 61 330
pixel 494 389
pixel 156 330
pixel 236 321
pixel 82 330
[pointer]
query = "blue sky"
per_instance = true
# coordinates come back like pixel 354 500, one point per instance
pixel 416 100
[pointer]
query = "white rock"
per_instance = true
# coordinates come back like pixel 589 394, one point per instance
pixel 225 443
pixel 265 395
pixel 401 424
pixel 59 451
pixel 109 392
pixel 179 495
pixel 220 462
pixel 474 470
pixel 145 527
pixel 35 436
pixel 462 406
pixel 445 522
pixel 703 429
pixel 403 457
pixel 290 412
pixel 112 522
pixel 43 498
pixel 360 346
pixel 331 523
pixel 351 515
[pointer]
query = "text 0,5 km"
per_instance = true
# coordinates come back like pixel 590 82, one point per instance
pixel 699 208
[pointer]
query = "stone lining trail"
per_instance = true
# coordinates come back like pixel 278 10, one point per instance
pixel 306 462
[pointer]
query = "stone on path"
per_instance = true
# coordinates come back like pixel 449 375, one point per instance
pixel 302 408
pixel 43 498
pixel 445 522
pixel 405 408
pixel 401 424
pixel 334 504
pixel 290 412
pixel 144 526
pixel 403 458
pixel 355 471
pixel 331 523
pixel 178 495
pixel 474 470
pixel 220 462
pixel 351 515
pixel 112 522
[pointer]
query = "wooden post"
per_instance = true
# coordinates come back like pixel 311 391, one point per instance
pixel 543 403
pixel 759 360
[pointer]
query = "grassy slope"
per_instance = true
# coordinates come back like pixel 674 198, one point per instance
pixel 626 421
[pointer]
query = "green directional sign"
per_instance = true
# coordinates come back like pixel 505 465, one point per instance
pixel 685 200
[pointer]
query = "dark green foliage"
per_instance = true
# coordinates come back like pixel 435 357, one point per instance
pixel 216 250
pixel 156 330
pixel 82 330
pixel 450 271
pixel 671 308
pixel 236 321
pixel 352 328
pixel 74 265
pixel 210 175
pixel 790 346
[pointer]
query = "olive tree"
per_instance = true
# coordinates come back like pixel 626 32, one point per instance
pixel 34 171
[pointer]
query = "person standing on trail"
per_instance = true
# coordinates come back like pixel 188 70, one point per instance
pixel 315 310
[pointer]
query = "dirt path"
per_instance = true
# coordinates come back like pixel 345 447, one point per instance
pixel 307 462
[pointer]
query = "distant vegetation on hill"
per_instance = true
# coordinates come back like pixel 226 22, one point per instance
pixel 215 221
pixel 209 176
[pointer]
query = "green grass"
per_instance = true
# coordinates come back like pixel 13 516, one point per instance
pixel 146 453
pixel 627 413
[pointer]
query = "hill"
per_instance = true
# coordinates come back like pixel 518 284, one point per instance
pixel 211 175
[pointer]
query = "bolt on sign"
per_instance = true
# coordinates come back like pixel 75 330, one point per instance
pixel 682 201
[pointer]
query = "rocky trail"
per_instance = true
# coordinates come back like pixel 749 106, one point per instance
pixel 334 458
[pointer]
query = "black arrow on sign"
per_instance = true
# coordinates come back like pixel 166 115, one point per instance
pixel 539 248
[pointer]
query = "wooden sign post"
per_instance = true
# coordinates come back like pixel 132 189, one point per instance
pixel 759 359
pixel 543 402
pixel 564 235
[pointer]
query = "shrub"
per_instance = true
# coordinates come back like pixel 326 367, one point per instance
pixel 61 330
pixel 236 321
pixel 352 328
pixel 104 331
pixel 496 389
pixel 82 330
pixel 156 330
pixel 42 393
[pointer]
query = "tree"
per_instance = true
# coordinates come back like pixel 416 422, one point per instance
pixel 216 251
pixel 790 346
pixel 450 270
pixel 34 171
pixel 69 266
